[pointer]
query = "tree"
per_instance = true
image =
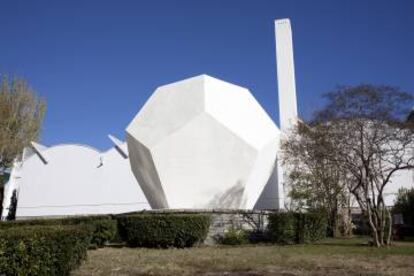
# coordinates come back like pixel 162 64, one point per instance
pixel 21 116
pixel 314 181
pixel 369 142
pixel 21 113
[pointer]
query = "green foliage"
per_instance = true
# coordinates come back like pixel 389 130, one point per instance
pixel 312 226
pixel 4 176
pixel 291 227
pixel 159 230
pixel 404 205
pixel 234 236
pixel 103 228
pixel 42 250
pixel 103 231
pixel 282 228
pixel 13 207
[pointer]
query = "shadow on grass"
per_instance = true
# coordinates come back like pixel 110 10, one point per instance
pixel 346 242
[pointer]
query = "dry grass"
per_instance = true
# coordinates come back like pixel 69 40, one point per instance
pixel 332 257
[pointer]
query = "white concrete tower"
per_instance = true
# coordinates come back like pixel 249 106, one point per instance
pixel 288 111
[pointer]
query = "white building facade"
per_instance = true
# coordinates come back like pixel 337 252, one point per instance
pixel 69 179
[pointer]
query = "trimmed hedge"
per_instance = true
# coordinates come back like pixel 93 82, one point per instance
pixel 163 230
pixel 291 228
pixel 104 228
pixel 43 250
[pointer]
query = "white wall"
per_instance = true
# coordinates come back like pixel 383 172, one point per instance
pixel 288 109
pixel 401 179
pixel 77 180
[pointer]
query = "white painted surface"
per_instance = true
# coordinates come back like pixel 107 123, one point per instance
pixel 401 179
pixel 77 180
pixel 288 111
pixel 202 143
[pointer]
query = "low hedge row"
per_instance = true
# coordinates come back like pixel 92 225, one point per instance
pixel 291 228
pixel 56 246
pixel 43 250
pixel 103 228
pixel 148 230
pixel 163 230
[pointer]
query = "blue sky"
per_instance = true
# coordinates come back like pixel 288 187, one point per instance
pixel 96 62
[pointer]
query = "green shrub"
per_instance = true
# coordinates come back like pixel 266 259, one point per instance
pixel 103 228
pixel 312 227
pixel 291 228
pixel 282 227
pixel 103 231
pixel 163 230
pixel 42 250
pixel 234 236
pixel 404 205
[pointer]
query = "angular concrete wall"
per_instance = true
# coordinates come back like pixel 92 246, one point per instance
pixel 202 143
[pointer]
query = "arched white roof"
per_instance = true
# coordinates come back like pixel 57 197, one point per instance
pixel 75 179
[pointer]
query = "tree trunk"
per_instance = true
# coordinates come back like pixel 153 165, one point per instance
pixel 334 223
pixel 389 227
pixel 373 226
pixel 381 223
pixel 346 218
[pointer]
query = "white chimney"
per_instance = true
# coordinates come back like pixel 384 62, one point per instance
pixel 288 111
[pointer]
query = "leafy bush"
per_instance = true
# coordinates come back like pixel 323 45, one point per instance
pixel 404 205
pixel 291 228
pixel 312 227
pixel 103 231
pixel 234 236
pixel 282 228
pixel 163 230
pixel 42 250
pixel 103 228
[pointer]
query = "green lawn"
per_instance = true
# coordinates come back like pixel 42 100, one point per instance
pixel 330 257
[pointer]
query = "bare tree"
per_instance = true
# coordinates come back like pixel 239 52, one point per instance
pixel 370 141
pixel 314 181
pixel 21 116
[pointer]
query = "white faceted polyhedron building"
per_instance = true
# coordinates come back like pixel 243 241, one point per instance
pixel 202 143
